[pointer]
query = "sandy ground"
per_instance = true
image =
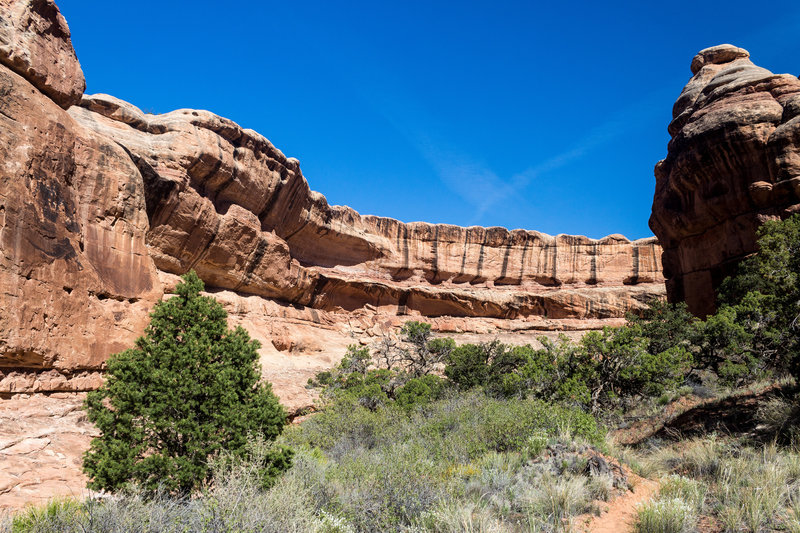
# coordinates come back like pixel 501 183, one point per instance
pixel 619 516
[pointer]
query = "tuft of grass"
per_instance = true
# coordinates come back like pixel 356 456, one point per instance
pixel 460 517
pixel 686 489
pixel 555 500
pixel 746 487
pixel 59 514
pixel 665 516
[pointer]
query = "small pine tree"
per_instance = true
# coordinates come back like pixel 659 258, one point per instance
pixel 188 390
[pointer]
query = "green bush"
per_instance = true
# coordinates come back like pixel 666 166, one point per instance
pixel 189 390
pixel 420 391
pixel 667 325
pixel 459 460
pixel 468 364
pixel 602 371
pixel 457 428
pixel 763 298
pixel 615 365
pixel 395 371
pixel 59 514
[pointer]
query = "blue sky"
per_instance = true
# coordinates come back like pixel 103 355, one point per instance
pixel 537 115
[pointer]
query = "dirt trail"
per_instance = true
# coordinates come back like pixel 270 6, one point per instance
pixel 620 513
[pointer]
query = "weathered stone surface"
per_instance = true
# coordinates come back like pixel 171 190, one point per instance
pixel 102 207
pixel 733 162
pixel 41 442
pixel 35 43
pixel 224 201
pixel 76 278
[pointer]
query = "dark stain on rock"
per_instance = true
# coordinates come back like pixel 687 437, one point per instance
pixel 156 189
pixel 634 277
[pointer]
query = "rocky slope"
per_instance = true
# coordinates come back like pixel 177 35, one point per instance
pixel 103 206
pixel 733 162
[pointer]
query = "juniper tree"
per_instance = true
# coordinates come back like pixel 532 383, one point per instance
pixel 188 390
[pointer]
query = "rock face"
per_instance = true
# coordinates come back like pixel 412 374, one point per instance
pixel 224 201
pixel 103 206
pixel 733 162
pixel 35 43
pixel 76 278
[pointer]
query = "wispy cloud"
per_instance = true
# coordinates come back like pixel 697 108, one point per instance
pixel 466 174
pixel 484 189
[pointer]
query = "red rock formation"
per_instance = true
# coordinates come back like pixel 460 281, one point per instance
pixel 733 161
pixel 102 206
pixel 75 275
pixel 224 201
pixel 35 43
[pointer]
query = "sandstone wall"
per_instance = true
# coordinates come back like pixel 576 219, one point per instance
pixel 103 206
pixel 733 162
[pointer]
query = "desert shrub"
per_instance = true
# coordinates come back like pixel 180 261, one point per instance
pixel 685 489
pixel 456 429
pixel 402 368
pixel 422 353
pixel 733 342
pixel 764 296
pixel 600 372
pixel 501 370
pixel 420 391
pixel 188 390
pixel 389 487
pixel 356 379
pixel 665 516
pixel 615 366
pixel 468 365
pixel 57 515
pixel 463 461
pixel 666 325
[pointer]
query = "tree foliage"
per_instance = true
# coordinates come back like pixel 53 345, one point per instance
pixel 397 370
pixel 188 390
pixel 603 370
pixel 765 296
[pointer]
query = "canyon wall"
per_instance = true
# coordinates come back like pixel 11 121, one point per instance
pixel 102 207
pixel 732 163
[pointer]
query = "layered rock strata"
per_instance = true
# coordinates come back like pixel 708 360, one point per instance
pixel 733 162
pixel 103 206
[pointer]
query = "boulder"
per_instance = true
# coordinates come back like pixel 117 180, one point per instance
pixel 35 43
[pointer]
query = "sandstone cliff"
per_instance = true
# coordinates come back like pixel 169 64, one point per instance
pixel 103 206
pixel 733 162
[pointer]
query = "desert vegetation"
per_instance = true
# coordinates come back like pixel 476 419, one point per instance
pixel 188 390
pixel 420 434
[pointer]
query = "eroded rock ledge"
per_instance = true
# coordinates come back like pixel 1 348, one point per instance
pixel 103 206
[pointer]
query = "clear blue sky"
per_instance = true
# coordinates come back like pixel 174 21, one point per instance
pixel 536 115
